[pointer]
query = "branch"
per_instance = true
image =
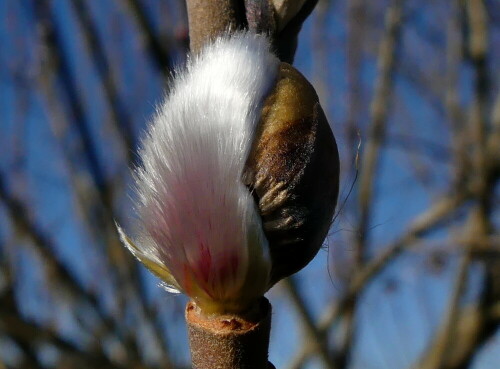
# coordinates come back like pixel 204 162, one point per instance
pixel 230 341
pixel 452 102
pixel 29 358
pixel 123 127
pixel 420 227
pixel 494 140
pixel 314 337
pixel 379 112
pixel 18 213
pixel 92 43
pixel 478 41
pixel 355 42
pixel 285 37
pixel 26 332
pixel 471 327
pixel 159 54
pixel 369 163
pixel 209 19
pixel 463 329
pixel 440 347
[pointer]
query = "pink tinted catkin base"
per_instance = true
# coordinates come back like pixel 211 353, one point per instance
pixel 230 341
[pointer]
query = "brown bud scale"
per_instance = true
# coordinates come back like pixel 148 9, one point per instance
pixel 293 170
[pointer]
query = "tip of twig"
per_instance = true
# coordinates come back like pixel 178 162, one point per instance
pixel 229 341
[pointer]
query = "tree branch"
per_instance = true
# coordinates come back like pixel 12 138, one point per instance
pixel 230 341
pixel 159 54
pixel 420 227
pixel 314 337
pixel 209 19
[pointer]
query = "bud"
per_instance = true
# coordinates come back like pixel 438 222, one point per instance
pixel 231 192
pixel 286 10
pixel 293 170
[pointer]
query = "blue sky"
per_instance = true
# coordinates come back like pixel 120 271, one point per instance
pixel 395 322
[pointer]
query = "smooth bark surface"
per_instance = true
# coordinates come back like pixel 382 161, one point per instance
pixel 208 19
pixel 229 341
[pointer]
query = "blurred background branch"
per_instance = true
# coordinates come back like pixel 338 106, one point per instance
pixel 412 271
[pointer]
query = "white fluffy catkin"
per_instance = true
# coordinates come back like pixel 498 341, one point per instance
pixel 198 221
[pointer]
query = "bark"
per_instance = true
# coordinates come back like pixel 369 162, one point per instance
pixel 230 341
pixel 208 19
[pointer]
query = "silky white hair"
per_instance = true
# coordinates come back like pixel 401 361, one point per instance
pixel 198 220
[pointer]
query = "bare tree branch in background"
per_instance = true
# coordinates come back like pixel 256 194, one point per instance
pixel 370 157
pixel 420 89
pixel 157 49
pixel 119 117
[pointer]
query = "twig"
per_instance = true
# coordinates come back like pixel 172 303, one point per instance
pixel 454 113
pixel 55 47
pixel 369 163
pixel 28 332
pixel 208 19
pixel 285 40
pixel 320 48
pixel 101 209
pixel 472 326
pixel 379 111
pixel 478 40
pixel 29 358
pixel 421 226
pixel 85 194
pixel 494 140
pixel 495 313
pixel 356 29
pixel 230 341
pixel 123 127
pixel 119 116
pixel 441 345
pixel 464 328
pixel 159 54
pixel 18 213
